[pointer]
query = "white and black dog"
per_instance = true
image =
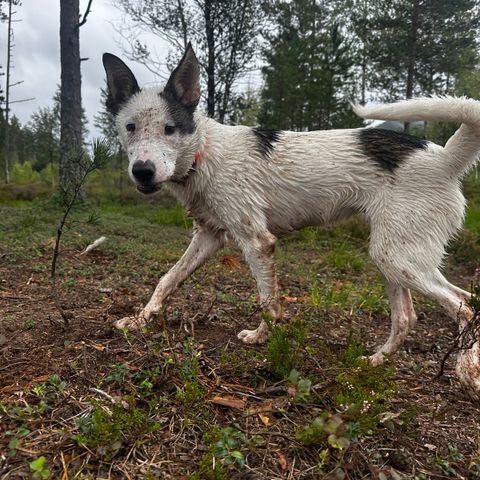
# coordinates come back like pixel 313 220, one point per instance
pixel 251 185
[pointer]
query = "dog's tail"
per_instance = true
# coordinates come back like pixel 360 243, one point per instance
pixel 463 146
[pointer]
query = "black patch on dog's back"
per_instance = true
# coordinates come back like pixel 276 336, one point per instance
pixel 265 138
pixel 388 148
pixel 182 115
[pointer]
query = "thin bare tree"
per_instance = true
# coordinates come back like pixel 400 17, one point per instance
pixel 224 32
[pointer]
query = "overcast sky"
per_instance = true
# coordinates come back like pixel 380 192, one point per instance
pixel 36 55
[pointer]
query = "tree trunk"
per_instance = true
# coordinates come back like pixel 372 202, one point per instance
pixel 412 53
pixel 70 95
pixel 7 95
pixel 210 37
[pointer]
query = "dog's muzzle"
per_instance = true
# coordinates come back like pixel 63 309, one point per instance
pixel 144 174
pixel 147 189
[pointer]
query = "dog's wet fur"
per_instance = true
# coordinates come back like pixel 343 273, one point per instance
pixel 251 185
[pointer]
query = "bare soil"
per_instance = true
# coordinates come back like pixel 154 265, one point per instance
pixel 35 344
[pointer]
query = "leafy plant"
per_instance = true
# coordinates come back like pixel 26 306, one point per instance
pixel 301 386
pixel 39 469
pixel 444 464
pixel 16 440
pixel 228 445
pixel 118 373
pixel 327 430
pixel 29 323
pixel 48 392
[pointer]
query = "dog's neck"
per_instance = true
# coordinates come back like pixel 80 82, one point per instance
pixel 202 132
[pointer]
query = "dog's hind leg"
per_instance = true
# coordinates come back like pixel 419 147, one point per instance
pixel 403 318
pixel 455 301
pixel 258 253
pixel 204 245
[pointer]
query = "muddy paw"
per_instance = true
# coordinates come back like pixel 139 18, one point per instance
pixel 132 323
pixel 376 359
pixel 252 336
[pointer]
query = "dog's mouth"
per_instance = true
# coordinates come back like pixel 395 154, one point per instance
pixel 148 189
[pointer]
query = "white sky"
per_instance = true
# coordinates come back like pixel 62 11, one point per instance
pixel 36 55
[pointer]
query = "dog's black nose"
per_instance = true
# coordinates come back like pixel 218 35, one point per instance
pixel 144 171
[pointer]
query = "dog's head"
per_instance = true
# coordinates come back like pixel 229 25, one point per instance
pixel 155 126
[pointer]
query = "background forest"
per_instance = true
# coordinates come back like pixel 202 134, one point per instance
pixel 315 57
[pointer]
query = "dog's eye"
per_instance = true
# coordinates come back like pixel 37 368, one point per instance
pixel 169 129
pixel 130 127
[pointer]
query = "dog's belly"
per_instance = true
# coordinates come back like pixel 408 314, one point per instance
pixel 280 223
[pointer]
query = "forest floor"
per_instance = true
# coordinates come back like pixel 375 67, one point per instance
pixel 183 398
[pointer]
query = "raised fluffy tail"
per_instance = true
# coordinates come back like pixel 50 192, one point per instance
pixel 443 109
pixel 464 145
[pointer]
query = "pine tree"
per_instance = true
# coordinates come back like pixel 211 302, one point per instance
pixel 416 46
pixel 44 126
pixel 308 77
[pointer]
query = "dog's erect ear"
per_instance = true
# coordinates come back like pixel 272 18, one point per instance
pixel 184 82
pixel 121 82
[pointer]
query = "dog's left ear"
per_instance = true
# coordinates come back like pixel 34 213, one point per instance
pixel 184 82
pixel 121 82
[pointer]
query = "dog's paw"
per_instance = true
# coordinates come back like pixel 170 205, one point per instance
pixel 253 336
pixel 376 359
pixel 131 323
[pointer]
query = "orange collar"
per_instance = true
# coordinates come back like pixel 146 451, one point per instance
pixel 200 155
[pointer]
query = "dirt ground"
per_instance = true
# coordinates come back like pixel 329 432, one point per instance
pixel 429 429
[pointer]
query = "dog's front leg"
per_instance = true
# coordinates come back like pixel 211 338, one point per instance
pixel 258 252
pixel 204 245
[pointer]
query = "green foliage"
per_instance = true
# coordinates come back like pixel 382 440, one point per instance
pixel 49 392
pixel 29 323
pixel 285 347
pixel 228 445
pixel 24 173
pixel 308 71
pixel 328 429
pixel 347 296
pixel 192 390
pixel 360 394
pixel 39 469
pixel 344 258
pixel 16 441
pixel 472 220
pixel 353 353
pixel 45 129
pixel 444 464
pixel 474 468
pixel 429 53
pixel 112 425
pixel 225 453
pixel 209 469
pixel 466 248
pixel 118 373
pixel 362 390
pixel 475 299
pixel 301 385
pixel 247 108
pixel 172 216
